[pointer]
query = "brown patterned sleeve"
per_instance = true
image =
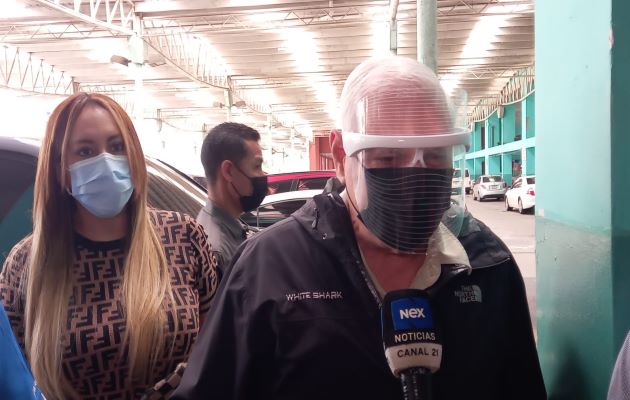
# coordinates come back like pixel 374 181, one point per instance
pixel 206 266
pixel 10 293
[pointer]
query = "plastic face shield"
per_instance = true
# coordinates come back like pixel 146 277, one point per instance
pixel 401 193
pixel 445 151
pixel 403 139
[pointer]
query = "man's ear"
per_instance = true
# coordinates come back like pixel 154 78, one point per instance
pixel 226 170
pixel 338 154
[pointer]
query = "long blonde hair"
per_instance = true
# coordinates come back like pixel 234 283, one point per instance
pixel 48 279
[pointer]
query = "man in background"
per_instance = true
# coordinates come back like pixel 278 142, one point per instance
pixel 232 160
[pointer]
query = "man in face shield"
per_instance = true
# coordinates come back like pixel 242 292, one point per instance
pixel 298 314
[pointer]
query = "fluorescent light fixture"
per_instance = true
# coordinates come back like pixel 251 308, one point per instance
pixel 380 38
pixel 478 44
pixel 302 45
pixel 102 49
pixel 267 17
pixel 16 9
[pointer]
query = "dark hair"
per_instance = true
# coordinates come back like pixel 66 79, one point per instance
pixel 225 141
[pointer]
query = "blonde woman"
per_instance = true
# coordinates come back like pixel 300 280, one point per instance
pixel 107 295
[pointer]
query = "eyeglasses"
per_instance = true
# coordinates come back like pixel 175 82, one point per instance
pixel 396 151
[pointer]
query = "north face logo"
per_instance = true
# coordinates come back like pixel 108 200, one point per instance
pixel 469 294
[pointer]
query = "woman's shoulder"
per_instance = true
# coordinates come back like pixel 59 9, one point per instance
pixel 18 256
pixel 16 263
pixel 174 221
pixel 167 217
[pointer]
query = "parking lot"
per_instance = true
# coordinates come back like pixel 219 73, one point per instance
pixel 517 231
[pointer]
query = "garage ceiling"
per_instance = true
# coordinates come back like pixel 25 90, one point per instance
pixel 280 63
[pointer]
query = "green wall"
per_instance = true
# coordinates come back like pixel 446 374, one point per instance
pixel 508 123
pixel 582 240
pixel 506 169
pixel 476 137
pixel 494 164
pixel 493 131
pixel 529 115
pixel 620 144
pixel 530 163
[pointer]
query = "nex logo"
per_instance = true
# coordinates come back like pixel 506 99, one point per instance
pixel 412 313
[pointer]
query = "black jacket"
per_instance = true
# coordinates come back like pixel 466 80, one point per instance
pixel 296 318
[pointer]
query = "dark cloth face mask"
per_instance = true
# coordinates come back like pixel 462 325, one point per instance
pixel 406 205
pixel 260 187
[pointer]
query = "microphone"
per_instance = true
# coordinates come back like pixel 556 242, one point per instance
pixel 410 338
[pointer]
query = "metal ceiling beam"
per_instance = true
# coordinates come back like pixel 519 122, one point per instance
pixel 472 7
pixel 518 87
pixel 195 59
pixel 114 15
pixel 327 17
pixel 187 7
pixel 179 49
pixel 49 32
pixel 20 70
pixel 480 73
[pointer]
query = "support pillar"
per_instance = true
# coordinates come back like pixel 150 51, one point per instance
pixel 582 230
pixel 427 33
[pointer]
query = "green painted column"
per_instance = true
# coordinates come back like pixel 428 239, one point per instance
pixel 508 128
pixel 529 167
pixel 494 164
pixel 506 167
pixel 493 130
pixel 529 115
pixel 476 142
pixel 582 192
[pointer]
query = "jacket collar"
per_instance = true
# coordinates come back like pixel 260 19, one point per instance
pixel 326 219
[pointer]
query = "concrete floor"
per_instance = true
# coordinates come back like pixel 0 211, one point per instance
pixel 517 231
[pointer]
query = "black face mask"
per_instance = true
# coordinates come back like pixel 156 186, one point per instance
pixel 406 205
pixel 259 185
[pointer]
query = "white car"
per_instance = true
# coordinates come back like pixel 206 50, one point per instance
pixel 489 186
pixel 457 178
pixel 276 207
pixel 522 194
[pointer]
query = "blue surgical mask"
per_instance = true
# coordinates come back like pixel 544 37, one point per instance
pixel 102 184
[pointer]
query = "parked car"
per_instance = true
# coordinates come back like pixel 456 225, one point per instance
pixel 276 207
pixel 294 181
pixel 457 176
pixel 289 181
pixel 522 194
pixel 489 186
pixel 169 189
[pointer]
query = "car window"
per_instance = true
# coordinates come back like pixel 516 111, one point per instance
pixel 467 174
pixel 493 178
pixel 168 190
pixel 269 214
pixel 16 202
pixel 517 184
pixel 457 173
pixel 279 186
pixel 312 183
pixel 531 180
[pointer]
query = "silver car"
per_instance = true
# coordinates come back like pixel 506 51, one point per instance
pixel 489 187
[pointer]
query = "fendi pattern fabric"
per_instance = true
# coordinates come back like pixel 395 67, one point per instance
pixel 94 361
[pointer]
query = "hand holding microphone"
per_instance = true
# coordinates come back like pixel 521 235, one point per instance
pixel 410 338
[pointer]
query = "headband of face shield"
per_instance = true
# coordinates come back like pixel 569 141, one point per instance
pixel 404 184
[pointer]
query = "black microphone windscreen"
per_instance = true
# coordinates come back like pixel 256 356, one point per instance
pixel 410 336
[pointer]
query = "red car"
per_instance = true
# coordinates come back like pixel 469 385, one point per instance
pixel 292 181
